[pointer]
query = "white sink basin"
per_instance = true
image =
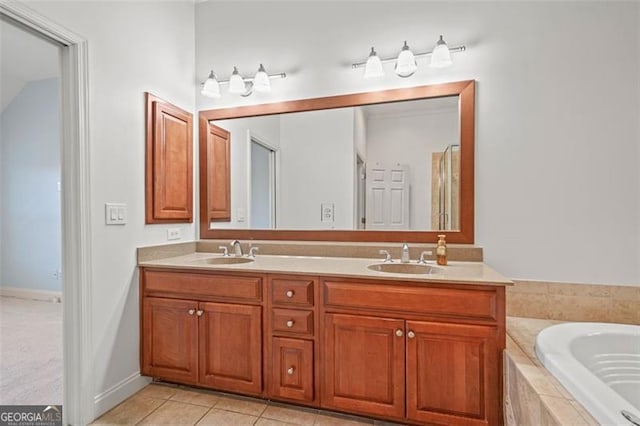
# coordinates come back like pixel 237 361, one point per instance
pixel 404 268
pixel 225 260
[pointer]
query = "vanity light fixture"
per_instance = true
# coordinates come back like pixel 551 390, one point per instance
pixel 405 63
pixel 244 86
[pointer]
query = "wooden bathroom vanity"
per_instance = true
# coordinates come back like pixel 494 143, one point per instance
pixel 422 350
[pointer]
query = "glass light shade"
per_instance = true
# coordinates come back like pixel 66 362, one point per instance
pixel 441 57
pixel 211 88
pixel 236 83
pixel 261 81
pixel 373 68
pixel 406 63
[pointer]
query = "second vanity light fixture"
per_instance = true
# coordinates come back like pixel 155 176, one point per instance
pixel 243 86
pixel 405 63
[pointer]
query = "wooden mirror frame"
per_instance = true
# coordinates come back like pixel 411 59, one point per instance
pixel 464 89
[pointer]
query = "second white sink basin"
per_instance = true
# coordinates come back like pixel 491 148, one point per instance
pixel 225 260
pixel 404 268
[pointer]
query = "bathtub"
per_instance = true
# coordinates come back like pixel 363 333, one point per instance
pixel 598 363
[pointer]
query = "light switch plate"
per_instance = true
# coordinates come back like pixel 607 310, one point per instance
pixel 115 213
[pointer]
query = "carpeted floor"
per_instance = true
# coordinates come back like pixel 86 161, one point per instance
pixel 30 352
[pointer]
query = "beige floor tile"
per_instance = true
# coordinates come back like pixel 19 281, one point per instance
pixel 296 415
pixel 250 406
pixel 158 391
pixel 196 397
pixel 269 422
pixel 130 411
pixel 175 413
pixel 325 418
pixel 226 418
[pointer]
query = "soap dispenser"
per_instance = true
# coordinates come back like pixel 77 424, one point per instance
pixel 441 250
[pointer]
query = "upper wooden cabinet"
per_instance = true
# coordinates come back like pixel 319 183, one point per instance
pixel 169 162
pixel 215 174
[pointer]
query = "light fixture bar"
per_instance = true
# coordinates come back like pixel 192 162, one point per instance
pixel 416 55
pixel 250 79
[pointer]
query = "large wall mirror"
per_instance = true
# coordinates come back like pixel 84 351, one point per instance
pixel 393 165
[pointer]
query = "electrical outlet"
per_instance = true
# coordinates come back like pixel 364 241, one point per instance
pixel 174 234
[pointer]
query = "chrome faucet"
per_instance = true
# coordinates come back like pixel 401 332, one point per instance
pixel 387 256
pixel 252 252
pixel 422 259
pixel 405 254
pixel 237 248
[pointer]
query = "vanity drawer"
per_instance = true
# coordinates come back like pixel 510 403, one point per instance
pixel 292 291
pixel 292 321
pixel 474 303
pixel 186 284
pixel 292 369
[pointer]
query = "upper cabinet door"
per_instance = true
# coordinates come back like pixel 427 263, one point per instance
pixel 215 174
pixel 169 163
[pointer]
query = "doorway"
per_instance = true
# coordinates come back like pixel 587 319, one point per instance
pixel 262 193
pixel 75 207
pixel 30 274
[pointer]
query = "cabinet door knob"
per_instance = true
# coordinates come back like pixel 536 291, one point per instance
pixel 199 312
pixel 192 311
pixel 399 333
pixel 289 293
pixel 411 334
pixel 290 323
pixel 290 371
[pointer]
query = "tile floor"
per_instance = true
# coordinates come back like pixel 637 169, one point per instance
pixel 163 404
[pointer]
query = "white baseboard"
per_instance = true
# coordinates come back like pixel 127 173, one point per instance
pixel 31 294
pixel 119 392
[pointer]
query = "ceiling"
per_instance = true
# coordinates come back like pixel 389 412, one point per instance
pixel 420 106
pixel 24 57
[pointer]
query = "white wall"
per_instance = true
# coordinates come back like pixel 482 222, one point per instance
pixel 316 167
pixel 556 126
pixel 30 168
pixel 133 47
pixel 265 128
pixel 412 139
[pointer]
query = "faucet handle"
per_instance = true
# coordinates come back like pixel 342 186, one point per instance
pixel 422 260
pixel 387 255
pixel 252 252
pixel 225 252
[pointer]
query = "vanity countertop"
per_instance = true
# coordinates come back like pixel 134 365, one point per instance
pixel 454 273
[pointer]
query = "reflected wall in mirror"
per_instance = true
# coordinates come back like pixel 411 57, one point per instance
pixel 394 165
pixel 386 166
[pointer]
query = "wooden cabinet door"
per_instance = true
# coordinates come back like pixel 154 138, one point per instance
pixel 231 347
pixel 215 175
pixel 363 361
pixel 292 369
pixel 169 163
pixel 453 374
pixel 170 339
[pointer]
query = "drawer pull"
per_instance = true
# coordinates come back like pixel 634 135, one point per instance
pixel 192 311
pixel 411 334
pixel 290 323
pixel 289 293
pixel 290 371
pixel 199 312
pixel 399 333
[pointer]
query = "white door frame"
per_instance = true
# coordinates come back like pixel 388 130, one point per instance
pixel 76 220
pixel 253 136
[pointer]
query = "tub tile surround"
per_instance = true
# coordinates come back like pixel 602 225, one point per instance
pixel 574 302
pixel 532 395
